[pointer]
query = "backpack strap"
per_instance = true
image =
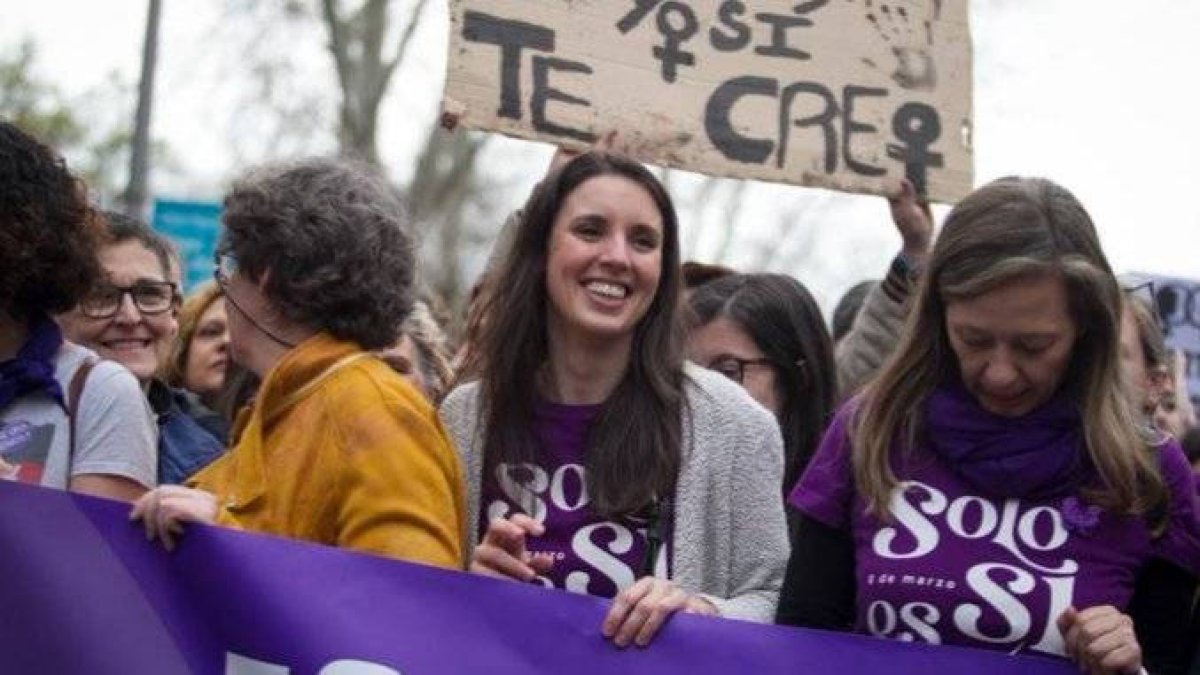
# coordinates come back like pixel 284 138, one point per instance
pixel 74 394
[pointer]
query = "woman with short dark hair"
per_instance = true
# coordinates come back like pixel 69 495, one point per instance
pixel 129 317
pixel 765 332
pixel 316 265
pixel 597 461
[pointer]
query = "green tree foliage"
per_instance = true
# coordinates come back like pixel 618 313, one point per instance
pixel 92 130
pixel 37 107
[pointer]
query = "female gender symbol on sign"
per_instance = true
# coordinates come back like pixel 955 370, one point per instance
pixel 918 126
pixel 671 52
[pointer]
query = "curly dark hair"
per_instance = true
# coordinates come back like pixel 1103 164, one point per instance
pixel 47 231
pixel 334 236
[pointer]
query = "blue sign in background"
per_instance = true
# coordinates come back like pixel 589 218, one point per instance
pixel 193 226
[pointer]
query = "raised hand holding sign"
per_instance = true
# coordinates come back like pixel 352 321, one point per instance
pixel 850 96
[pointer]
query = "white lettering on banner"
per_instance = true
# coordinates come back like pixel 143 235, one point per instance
pixel 599 558
pixel 356 667
pixel 539 485
pixel 966 617
pixel 956 517
pixel 920 618
pixel 236 664
pixel 920 527
pixel 1004 532
pixel 1062 591
pixel 1058 533
pixel 558 491
pixel 524 493
pixel 923 626
pixel 884 626
pixel 1007 533
pixel 998 585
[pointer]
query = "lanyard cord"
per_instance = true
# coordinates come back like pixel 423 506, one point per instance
pixel 660 510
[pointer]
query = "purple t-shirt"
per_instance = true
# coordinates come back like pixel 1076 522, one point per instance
pixel 592 555
pixel 957 567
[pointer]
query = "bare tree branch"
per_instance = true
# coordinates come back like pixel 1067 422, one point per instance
pixel 447 195
pixel 405 40
pixel 797 227
pixel 372 23
pixel 733 208
pixel 698 205
pixel 339 48
pixel 337 44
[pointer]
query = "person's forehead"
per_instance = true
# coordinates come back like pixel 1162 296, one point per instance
pixel 130 261
pixel 723 336
pixel 1034 300
pixel 611 193
pixel 214 312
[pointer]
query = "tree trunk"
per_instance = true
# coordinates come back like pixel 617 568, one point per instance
pixel 139 156
pixel 356 43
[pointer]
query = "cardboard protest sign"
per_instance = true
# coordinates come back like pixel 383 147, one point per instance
pixel 845 94
pixel 1178 304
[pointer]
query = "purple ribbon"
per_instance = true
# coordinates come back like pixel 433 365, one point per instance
pixel 32 369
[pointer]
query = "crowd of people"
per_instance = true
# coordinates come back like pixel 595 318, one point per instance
pixel 986 448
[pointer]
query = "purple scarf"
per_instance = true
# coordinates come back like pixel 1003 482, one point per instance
pixel 1039 455
pixel 33 367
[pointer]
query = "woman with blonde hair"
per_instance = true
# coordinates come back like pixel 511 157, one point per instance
pixel 994 488
pixel 422 354
pixel 199 357
pixel 1143 354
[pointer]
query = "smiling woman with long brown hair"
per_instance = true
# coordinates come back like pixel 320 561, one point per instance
pixel 597 461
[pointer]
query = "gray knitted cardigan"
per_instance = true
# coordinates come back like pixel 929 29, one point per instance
pixel 730 538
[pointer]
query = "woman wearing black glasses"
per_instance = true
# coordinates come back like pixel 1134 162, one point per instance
pixel 765 332
pixel 67 419
pixel 129 316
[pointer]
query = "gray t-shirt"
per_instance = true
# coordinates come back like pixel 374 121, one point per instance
pixel 115 433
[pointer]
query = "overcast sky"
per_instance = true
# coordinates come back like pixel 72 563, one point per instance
pixel 1098 95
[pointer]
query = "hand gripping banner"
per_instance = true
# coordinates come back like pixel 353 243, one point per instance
pixel 82 591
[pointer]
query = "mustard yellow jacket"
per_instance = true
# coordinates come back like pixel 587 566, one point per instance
pixel 338 449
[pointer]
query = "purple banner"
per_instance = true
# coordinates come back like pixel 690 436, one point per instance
pixel 81 591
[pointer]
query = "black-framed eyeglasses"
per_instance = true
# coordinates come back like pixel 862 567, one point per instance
pixel 735 368
pixel 150 297
pixel 224 267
